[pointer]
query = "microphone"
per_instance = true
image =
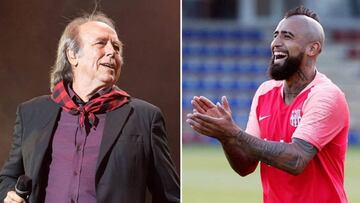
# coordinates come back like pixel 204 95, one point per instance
pixel 23 187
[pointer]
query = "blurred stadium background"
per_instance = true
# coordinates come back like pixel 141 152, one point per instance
pixel 226 51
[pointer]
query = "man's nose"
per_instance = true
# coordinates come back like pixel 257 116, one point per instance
pixel 276 42
pixel 109 49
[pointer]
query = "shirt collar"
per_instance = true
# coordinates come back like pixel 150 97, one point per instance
pixel 79 101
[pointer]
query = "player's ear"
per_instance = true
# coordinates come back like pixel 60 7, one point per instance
pixel 313 49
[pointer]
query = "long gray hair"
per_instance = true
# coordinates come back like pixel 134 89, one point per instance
pixel 62 70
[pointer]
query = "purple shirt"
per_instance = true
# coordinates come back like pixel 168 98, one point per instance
pixel 74 155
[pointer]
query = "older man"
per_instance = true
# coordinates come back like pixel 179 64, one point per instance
pixel 298 121
pixel 89 141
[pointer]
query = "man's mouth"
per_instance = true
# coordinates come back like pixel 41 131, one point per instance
pixel 279 56
pixel 109 65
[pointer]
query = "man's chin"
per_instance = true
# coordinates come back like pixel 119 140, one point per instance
pixel 276 72
pixel 108 80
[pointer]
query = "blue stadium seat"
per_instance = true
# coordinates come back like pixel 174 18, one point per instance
pixel 187 33
pixel 186 51
pixel 221 34
pixel 186 67
pixel 240 119
pixel 218 34
pixel 186 103
pixel 189 84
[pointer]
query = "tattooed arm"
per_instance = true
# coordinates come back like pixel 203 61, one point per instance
pixel 291 157
pixel 238 159
pixel 243 150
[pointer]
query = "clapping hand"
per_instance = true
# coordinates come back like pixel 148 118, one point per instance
pixel 212 120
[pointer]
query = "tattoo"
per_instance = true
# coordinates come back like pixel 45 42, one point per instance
pixel 290 92
pixel 289 95
pixel 291 157
pixel 304 154
pixel 238 157
pixel 302 76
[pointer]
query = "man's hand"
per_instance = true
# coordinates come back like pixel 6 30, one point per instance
pixel 213 120
pixel 204 106
pixel 12 197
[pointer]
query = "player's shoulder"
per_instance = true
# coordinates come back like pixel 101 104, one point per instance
pixel 325 94
pixel 268 86
pixel 323 86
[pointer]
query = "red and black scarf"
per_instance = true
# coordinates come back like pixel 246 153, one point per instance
pixel 102 104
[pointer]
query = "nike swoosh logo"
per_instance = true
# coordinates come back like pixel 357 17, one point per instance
pixel 263 117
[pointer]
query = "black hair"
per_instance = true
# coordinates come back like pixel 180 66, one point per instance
pixel 301 10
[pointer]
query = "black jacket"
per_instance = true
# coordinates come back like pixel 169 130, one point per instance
pixel 133 153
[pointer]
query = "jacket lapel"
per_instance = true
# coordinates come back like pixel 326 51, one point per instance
pixel 114 123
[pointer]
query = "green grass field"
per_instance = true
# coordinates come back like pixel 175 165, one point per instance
pixel 207 177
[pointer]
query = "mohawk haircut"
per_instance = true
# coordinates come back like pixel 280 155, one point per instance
pixel 301 10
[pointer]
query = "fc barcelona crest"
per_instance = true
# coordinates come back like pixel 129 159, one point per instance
pixel 295 117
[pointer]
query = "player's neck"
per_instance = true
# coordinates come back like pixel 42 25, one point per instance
pixel 296 83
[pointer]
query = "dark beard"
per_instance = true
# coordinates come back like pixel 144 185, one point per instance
pixel 288 69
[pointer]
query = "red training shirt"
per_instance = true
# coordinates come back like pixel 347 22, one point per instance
pixel 318 115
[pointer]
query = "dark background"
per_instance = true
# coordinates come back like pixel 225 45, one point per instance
pixel 150 31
